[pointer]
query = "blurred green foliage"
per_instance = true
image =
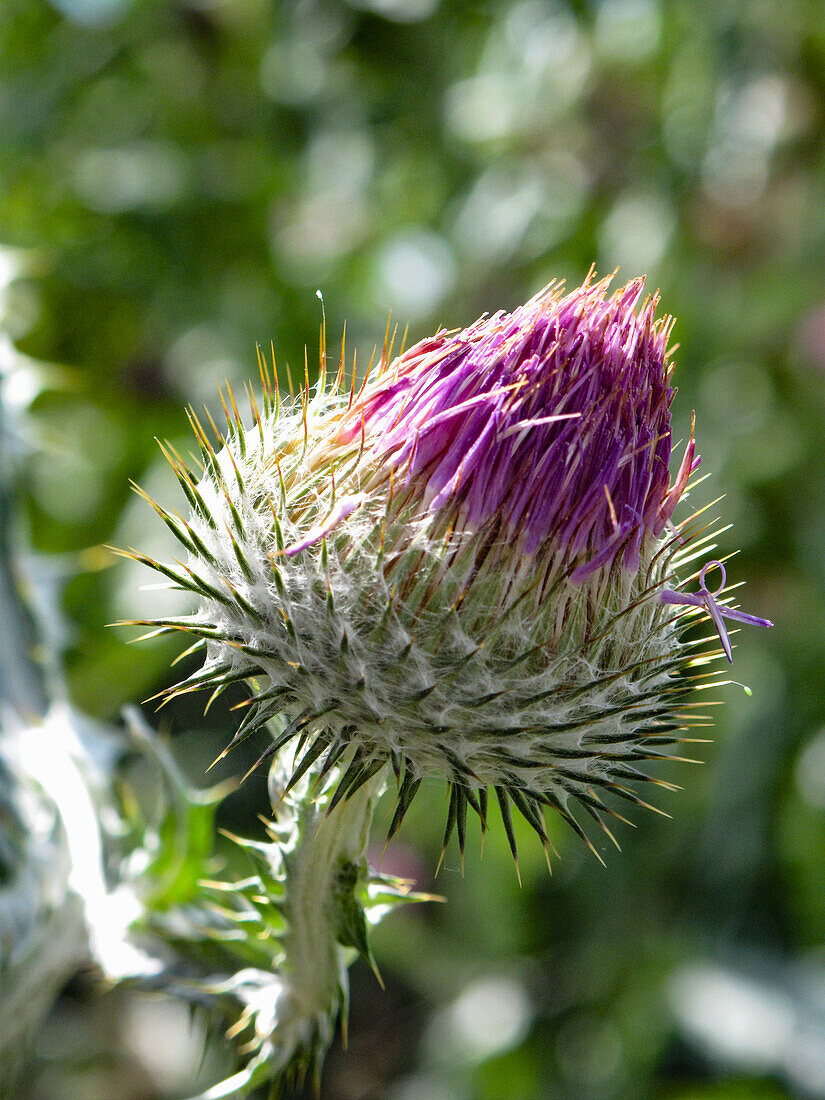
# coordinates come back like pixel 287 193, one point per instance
pixel 176 181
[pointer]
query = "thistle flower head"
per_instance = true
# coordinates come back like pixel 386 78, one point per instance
pixel 467 569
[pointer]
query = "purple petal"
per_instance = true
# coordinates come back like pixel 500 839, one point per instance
pixel 341 511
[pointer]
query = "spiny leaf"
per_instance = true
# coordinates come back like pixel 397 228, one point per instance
pixel 406 793
pixel 361 769
pixel 504 806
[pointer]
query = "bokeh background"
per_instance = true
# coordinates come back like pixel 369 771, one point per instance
pixel 177 179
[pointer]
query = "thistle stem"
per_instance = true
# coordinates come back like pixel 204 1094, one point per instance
pixel 323 860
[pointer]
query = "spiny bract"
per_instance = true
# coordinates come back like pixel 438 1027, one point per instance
pixel 466 569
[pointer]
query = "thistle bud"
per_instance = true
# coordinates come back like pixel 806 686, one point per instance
pixel 467 569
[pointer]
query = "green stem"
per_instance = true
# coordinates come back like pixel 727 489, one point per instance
pixel 317 886
pixel 324 866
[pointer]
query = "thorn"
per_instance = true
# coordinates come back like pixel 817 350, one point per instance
pixel 352 385
pixel 341 362
pixel 384 357
pixel 275 379
pixel 256 413
pixel 374 968
pixel 369 369
pixel 440 861
pixel 546 848
pixel 506 818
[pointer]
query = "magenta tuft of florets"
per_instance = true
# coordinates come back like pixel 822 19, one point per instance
pixel 552 421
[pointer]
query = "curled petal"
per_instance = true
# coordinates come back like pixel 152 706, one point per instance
pixel 342 510
pixel 718 612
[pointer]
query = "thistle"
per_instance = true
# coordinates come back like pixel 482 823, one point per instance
pixel 468 568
